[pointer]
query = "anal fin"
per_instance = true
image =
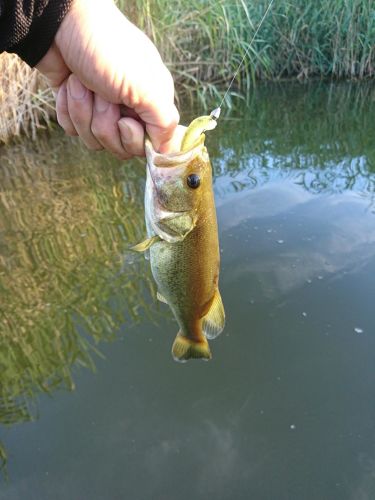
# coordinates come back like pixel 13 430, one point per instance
pixel 214 321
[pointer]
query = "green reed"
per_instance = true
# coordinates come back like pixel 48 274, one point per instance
pixel 203 41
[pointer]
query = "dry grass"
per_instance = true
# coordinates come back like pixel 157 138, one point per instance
pixel 26 103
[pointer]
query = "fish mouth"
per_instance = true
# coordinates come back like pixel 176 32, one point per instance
pixel 168 164
pixel 170 160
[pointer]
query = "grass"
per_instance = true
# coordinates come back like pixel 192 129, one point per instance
pixel 26 104
pixel 203 41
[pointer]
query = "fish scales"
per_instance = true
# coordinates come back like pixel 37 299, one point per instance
pixel 183 240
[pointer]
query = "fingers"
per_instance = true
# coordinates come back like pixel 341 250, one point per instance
pixel 97 122
pixel 159 113
pixel 161 133
pixel 132 136
pixel 124 138
pixel 100 126
pixel 62 112
pixel 80 107
pixel 53 66
pixel 174 144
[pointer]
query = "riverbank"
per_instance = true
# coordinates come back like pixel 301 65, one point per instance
pixel 203 42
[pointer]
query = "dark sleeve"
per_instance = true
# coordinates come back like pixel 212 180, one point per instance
pixel 28 27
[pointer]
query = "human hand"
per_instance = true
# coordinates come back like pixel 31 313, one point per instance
pixel 110 81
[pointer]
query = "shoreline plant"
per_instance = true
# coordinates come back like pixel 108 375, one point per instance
pixel 203 41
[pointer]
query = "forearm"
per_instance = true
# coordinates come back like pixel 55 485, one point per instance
pixel 28 27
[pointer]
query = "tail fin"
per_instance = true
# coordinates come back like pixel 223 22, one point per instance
pixel 184 348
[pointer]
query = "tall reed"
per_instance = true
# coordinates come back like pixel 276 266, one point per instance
pixel 204 41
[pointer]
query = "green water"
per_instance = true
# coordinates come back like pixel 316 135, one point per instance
pixel 92 406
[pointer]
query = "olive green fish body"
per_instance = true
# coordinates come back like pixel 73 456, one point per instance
pixel 187 273
pixel 183 241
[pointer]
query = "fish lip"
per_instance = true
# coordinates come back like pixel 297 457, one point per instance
pixel 170 160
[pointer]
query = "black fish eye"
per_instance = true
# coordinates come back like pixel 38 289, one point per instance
pixel 193 181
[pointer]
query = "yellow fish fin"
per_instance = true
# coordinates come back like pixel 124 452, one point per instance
pixel 160 297
pixel 184 348
pixel 195 130
pixel 213 322
pixel 145 245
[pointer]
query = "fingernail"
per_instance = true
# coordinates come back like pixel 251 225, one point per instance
pixel 76 89
pixel 101 105
pixel 126 132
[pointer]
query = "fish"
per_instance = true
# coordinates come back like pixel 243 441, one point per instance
pixel 182 240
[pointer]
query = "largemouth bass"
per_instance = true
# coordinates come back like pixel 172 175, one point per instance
pixel 183 241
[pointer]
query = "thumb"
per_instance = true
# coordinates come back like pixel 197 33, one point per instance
pixel 161 126
pixel 53 67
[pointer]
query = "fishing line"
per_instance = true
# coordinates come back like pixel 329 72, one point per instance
pixel 216 112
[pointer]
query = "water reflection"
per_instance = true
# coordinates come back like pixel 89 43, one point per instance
pixel 294 367
pixel 67 280
pixel 318 136
pixel 292 240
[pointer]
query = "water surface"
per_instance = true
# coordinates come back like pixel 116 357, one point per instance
pixel 93 406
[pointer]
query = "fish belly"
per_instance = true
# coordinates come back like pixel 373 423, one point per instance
pixel 186 278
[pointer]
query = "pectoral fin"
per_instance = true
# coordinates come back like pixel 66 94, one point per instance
pixel 160 297
pixel 146 244
pixel 213 322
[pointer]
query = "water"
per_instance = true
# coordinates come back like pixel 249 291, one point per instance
pixel 285 410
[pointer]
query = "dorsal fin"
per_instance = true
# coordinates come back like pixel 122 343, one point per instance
pixel 214 321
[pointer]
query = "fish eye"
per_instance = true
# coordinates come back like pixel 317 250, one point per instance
pixel 193 181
